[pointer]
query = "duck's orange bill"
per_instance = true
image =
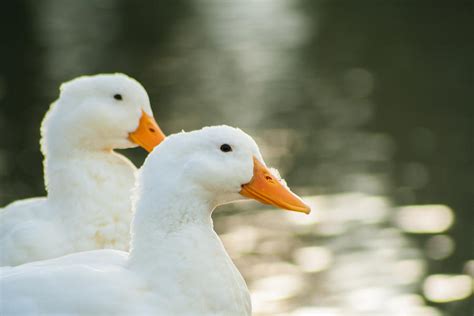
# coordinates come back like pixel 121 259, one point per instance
pixel 148 134
pixel 265 188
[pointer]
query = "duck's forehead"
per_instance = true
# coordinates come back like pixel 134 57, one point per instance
pixel 229 135
pixel 119 83
pixel 103 83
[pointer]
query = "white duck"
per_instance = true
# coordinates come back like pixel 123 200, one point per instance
pixel 177 264
pixel 89 186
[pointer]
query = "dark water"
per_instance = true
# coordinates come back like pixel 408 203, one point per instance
pixel 374 97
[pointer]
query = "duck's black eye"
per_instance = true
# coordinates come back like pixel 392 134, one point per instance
pixel 226 148
pixel 118 97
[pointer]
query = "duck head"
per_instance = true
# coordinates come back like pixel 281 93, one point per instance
pixel 219 164
pixel 101 112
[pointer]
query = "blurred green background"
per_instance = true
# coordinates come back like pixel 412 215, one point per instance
pixel 369 105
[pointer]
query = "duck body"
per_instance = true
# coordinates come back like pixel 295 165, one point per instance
pixel 89 185
pixel 88 208
pixel 102 282
pixel 106 282
pixel 30 289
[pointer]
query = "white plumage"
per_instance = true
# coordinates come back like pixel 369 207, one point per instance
pixel 177 264
pixel 88 204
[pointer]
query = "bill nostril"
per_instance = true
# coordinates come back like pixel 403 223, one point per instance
pixel 152 130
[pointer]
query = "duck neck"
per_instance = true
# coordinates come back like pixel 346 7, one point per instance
pixel 84 171
pixel 75 164
pixel 163 214
pixel 174 246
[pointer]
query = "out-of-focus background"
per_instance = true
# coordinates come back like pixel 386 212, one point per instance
pixel 364 106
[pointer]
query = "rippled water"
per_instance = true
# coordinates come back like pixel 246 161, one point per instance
pixel 349 257
pixel 364 107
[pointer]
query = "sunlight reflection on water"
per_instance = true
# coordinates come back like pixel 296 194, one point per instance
pixel 442 288
pixel 294 265
pixel 424 218
pixel 313 259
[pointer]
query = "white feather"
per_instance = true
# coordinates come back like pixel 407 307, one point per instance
pixel 177 264
pixel 88 204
